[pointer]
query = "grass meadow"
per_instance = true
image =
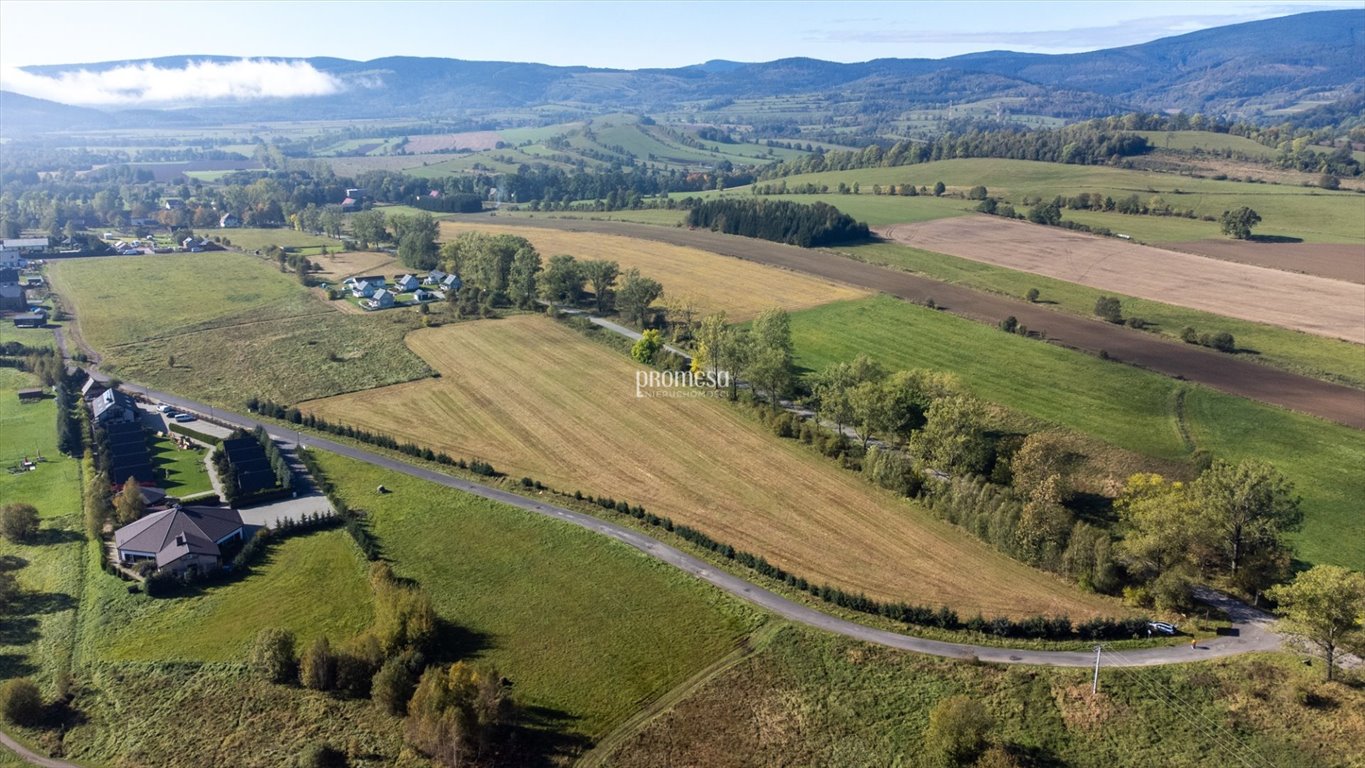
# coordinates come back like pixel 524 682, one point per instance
pixel 1309 354
pixel 1124 406
pixel 812 699
pixel 585 628
pixel 27 430
pixel 1308 213
pixel 536 398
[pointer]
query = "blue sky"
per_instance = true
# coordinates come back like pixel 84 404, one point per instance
pixel 608 34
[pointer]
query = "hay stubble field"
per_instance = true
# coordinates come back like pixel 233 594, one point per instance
pixel 534 398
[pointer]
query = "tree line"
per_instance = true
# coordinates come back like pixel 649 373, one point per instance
pixel 782 221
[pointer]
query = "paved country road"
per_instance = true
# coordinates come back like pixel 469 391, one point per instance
pixel 1218 370
pixel 1251 632
pixel 31 757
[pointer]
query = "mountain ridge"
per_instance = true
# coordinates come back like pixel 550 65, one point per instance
pixel 1241 70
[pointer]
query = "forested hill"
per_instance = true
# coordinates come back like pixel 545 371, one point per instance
pixel 1239 70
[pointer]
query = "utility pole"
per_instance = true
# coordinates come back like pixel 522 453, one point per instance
pixel 1095 683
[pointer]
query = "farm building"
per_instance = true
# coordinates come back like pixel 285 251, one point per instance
pixel 92 388
pixel 30 320
pixel 180 538
pixel 31 394
pixel 24 244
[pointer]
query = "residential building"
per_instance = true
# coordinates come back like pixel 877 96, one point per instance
pixel 180 538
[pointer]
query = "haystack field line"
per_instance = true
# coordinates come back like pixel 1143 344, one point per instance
pixel 1317 305
pixel 536 399
pixel 742 289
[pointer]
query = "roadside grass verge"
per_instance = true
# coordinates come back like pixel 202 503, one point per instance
pixel 1309 354
pixel 1119 404
pixel 586 628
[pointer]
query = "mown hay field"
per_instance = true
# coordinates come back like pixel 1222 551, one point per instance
pixel 225 327
pixel 741 288
pixel 536 399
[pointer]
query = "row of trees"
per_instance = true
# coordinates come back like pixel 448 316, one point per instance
pixel 1084 143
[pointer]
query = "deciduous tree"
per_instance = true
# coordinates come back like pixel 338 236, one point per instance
pixel 1326 606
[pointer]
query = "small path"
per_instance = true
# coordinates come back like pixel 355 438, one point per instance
pixel 1246 636
pixel 749 646
pixel 31 757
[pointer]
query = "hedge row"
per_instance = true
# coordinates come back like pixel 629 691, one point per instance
pixel 294 416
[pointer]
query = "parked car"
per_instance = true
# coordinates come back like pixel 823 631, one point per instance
pixel 1162 627
pixel 183 417
pixel 164 408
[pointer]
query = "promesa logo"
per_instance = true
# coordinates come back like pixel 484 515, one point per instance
pixel 679 383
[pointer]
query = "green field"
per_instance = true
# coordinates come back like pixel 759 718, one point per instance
pixel 255 333
pixel 252 239
pixel 1314 215
pixel 1124 406
pixel 660 216
pixel 810 699
pixel 585 628
pixel 183 471
pixel 28 430
pixel 1317 356
pixel 114 298
pixel 312 585
pixel 1207 141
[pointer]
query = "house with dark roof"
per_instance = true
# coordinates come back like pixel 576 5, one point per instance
pixel 180 538
pixel 422 297
pixel 13 296
pixel 450 283
pixel 434 277
pixel 124 454
pixel 30 320
pixel 113 406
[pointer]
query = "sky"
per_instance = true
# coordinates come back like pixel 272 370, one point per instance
pixel 627 35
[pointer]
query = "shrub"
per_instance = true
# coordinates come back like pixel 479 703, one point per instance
pixel 1172 592
pixel 1189 335
pixel 393 685
pixel 321 756
pixel 272 655
pixel 1223 342
pixel 1009 324
pixel 18 521
pixel 1032 295
pixel 20 702
pixel 318 666
pixel 957 729
pixel 1109 308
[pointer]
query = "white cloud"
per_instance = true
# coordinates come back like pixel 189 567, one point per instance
pixel 145 84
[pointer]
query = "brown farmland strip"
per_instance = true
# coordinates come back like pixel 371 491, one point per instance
pixel 1308 303
pixel 1223 372
pixel 1339 261
pixel 537 399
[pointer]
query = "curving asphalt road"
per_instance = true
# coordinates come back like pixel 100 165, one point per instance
pixel 1251 632
pixel 1224 372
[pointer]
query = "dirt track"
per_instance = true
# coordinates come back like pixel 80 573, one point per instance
pixel 1339 261
pixel 1308 303
pixel 1223 372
